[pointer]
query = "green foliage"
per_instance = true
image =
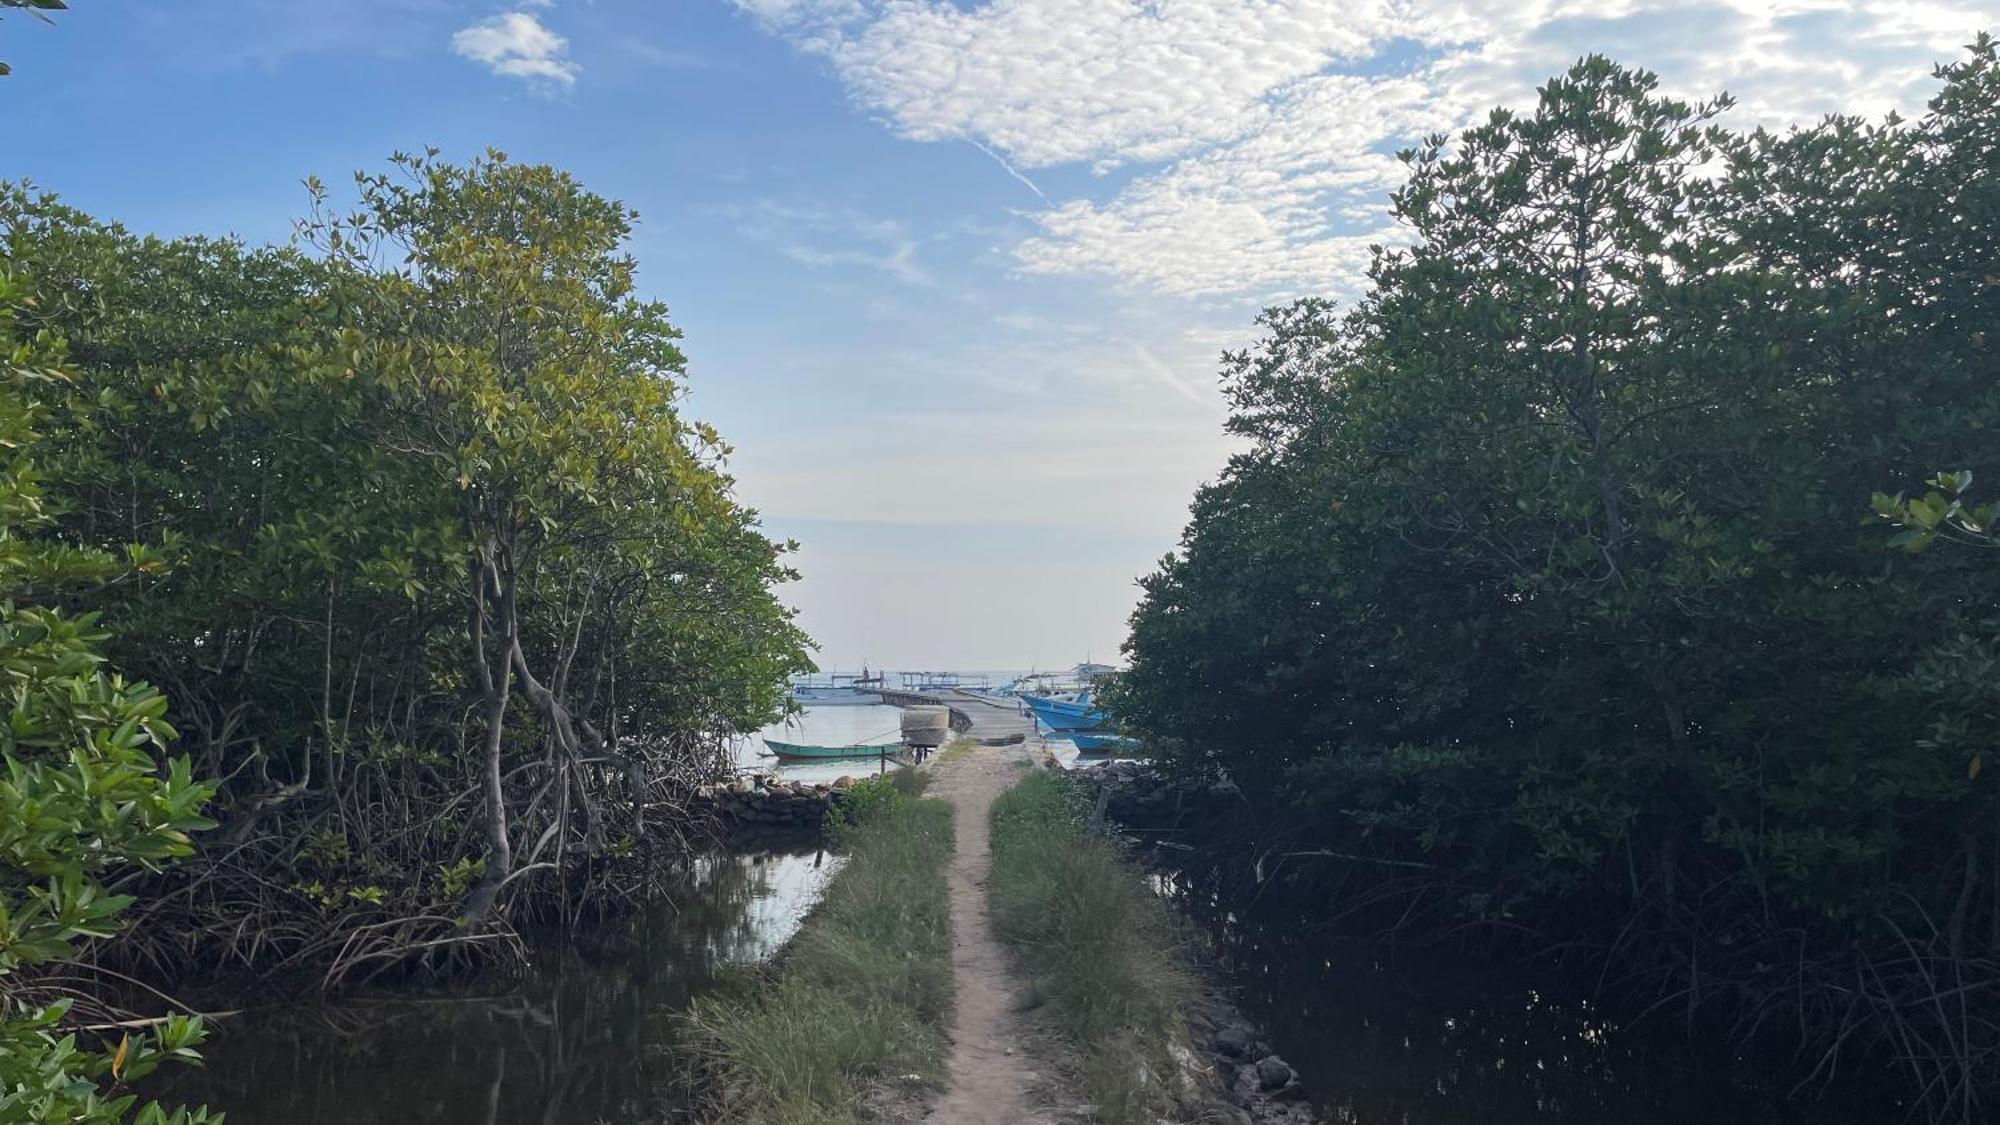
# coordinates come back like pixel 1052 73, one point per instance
pixel 1096 942
pixel 455 879
pixel 36 7
pixel 861 804
pixel 864 988
pixel 85 796
pixel 1544 575
pixel 422 526
pixel 1946 509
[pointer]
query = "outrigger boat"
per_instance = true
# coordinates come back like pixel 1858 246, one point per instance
pixel 796 751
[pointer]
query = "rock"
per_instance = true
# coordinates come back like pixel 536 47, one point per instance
pixel 1272 1073
pixel 1232 1042
pixel 1244 1090
pixel 1292 1091
pixel 843 782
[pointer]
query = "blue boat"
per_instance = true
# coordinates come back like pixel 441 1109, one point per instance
pixel 1100 741
pixel 1063 715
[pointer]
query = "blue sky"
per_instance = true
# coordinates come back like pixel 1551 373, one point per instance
pixel 954 276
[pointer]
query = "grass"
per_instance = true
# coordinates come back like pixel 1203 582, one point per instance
pixel 957 748
pixel 863 990
pixel 1097 944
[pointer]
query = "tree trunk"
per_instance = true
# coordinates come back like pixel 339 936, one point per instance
pixel 496 690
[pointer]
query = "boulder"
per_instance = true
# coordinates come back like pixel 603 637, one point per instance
pixel 1232 1042
pixel 1272 1073
pixel 1243 1091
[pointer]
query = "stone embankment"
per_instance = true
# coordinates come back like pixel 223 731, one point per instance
pixel 768 801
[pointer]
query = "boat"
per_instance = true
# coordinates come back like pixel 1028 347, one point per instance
pixel 840 691
pixel 798 751
pixel 1061 714
pixel 1100 741
pixel 839 695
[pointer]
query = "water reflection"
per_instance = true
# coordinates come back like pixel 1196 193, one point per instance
pixel 589 1037
pixel 1428 1037
pixel 825 726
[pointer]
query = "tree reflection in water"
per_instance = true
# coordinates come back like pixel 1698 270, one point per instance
pixel 588 1037
pixel 1433 1037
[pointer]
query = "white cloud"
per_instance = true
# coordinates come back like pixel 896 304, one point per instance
pixel 516 45
pixel 1258 133
pixel 819 237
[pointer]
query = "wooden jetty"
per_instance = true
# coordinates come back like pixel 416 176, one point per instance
pixel 976 715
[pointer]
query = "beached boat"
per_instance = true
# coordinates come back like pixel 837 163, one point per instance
pixel 1100 741
pixel 797 751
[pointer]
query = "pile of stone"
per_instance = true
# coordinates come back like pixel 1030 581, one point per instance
pixel 766 799
pixel 1258 1087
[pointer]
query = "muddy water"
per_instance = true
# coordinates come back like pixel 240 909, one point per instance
pixel 1434 1037
pixel 590 1036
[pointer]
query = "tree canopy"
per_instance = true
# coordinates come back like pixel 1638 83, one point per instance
pixel 1549 569
pixel 440 577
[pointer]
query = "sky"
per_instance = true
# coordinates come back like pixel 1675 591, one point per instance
pixel 954 276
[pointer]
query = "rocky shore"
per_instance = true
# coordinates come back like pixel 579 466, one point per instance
pixel 1250 1084
pixel 768 801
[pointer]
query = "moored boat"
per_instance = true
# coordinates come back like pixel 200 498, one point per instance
pixel 1100 741
pixel 1062 715
pixel 798 751
pixel 813 695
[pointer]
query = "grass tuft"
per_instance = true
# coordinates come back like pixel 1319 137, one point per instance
pixel 864 988
pixel 1096 942
pixel 959 746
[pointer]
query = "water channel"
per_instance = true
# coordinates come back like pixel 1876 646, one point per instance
pixel 592 1034
pixel 1437 1036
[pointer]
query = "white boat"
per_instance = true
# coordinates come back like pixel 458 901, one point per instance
pixel 838 690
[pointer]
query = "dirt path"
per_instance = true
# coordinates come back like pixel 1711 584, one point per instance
pixel 989 1077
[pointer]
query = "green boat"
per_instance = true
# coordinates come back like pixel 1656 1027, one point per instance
pixel 794 751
